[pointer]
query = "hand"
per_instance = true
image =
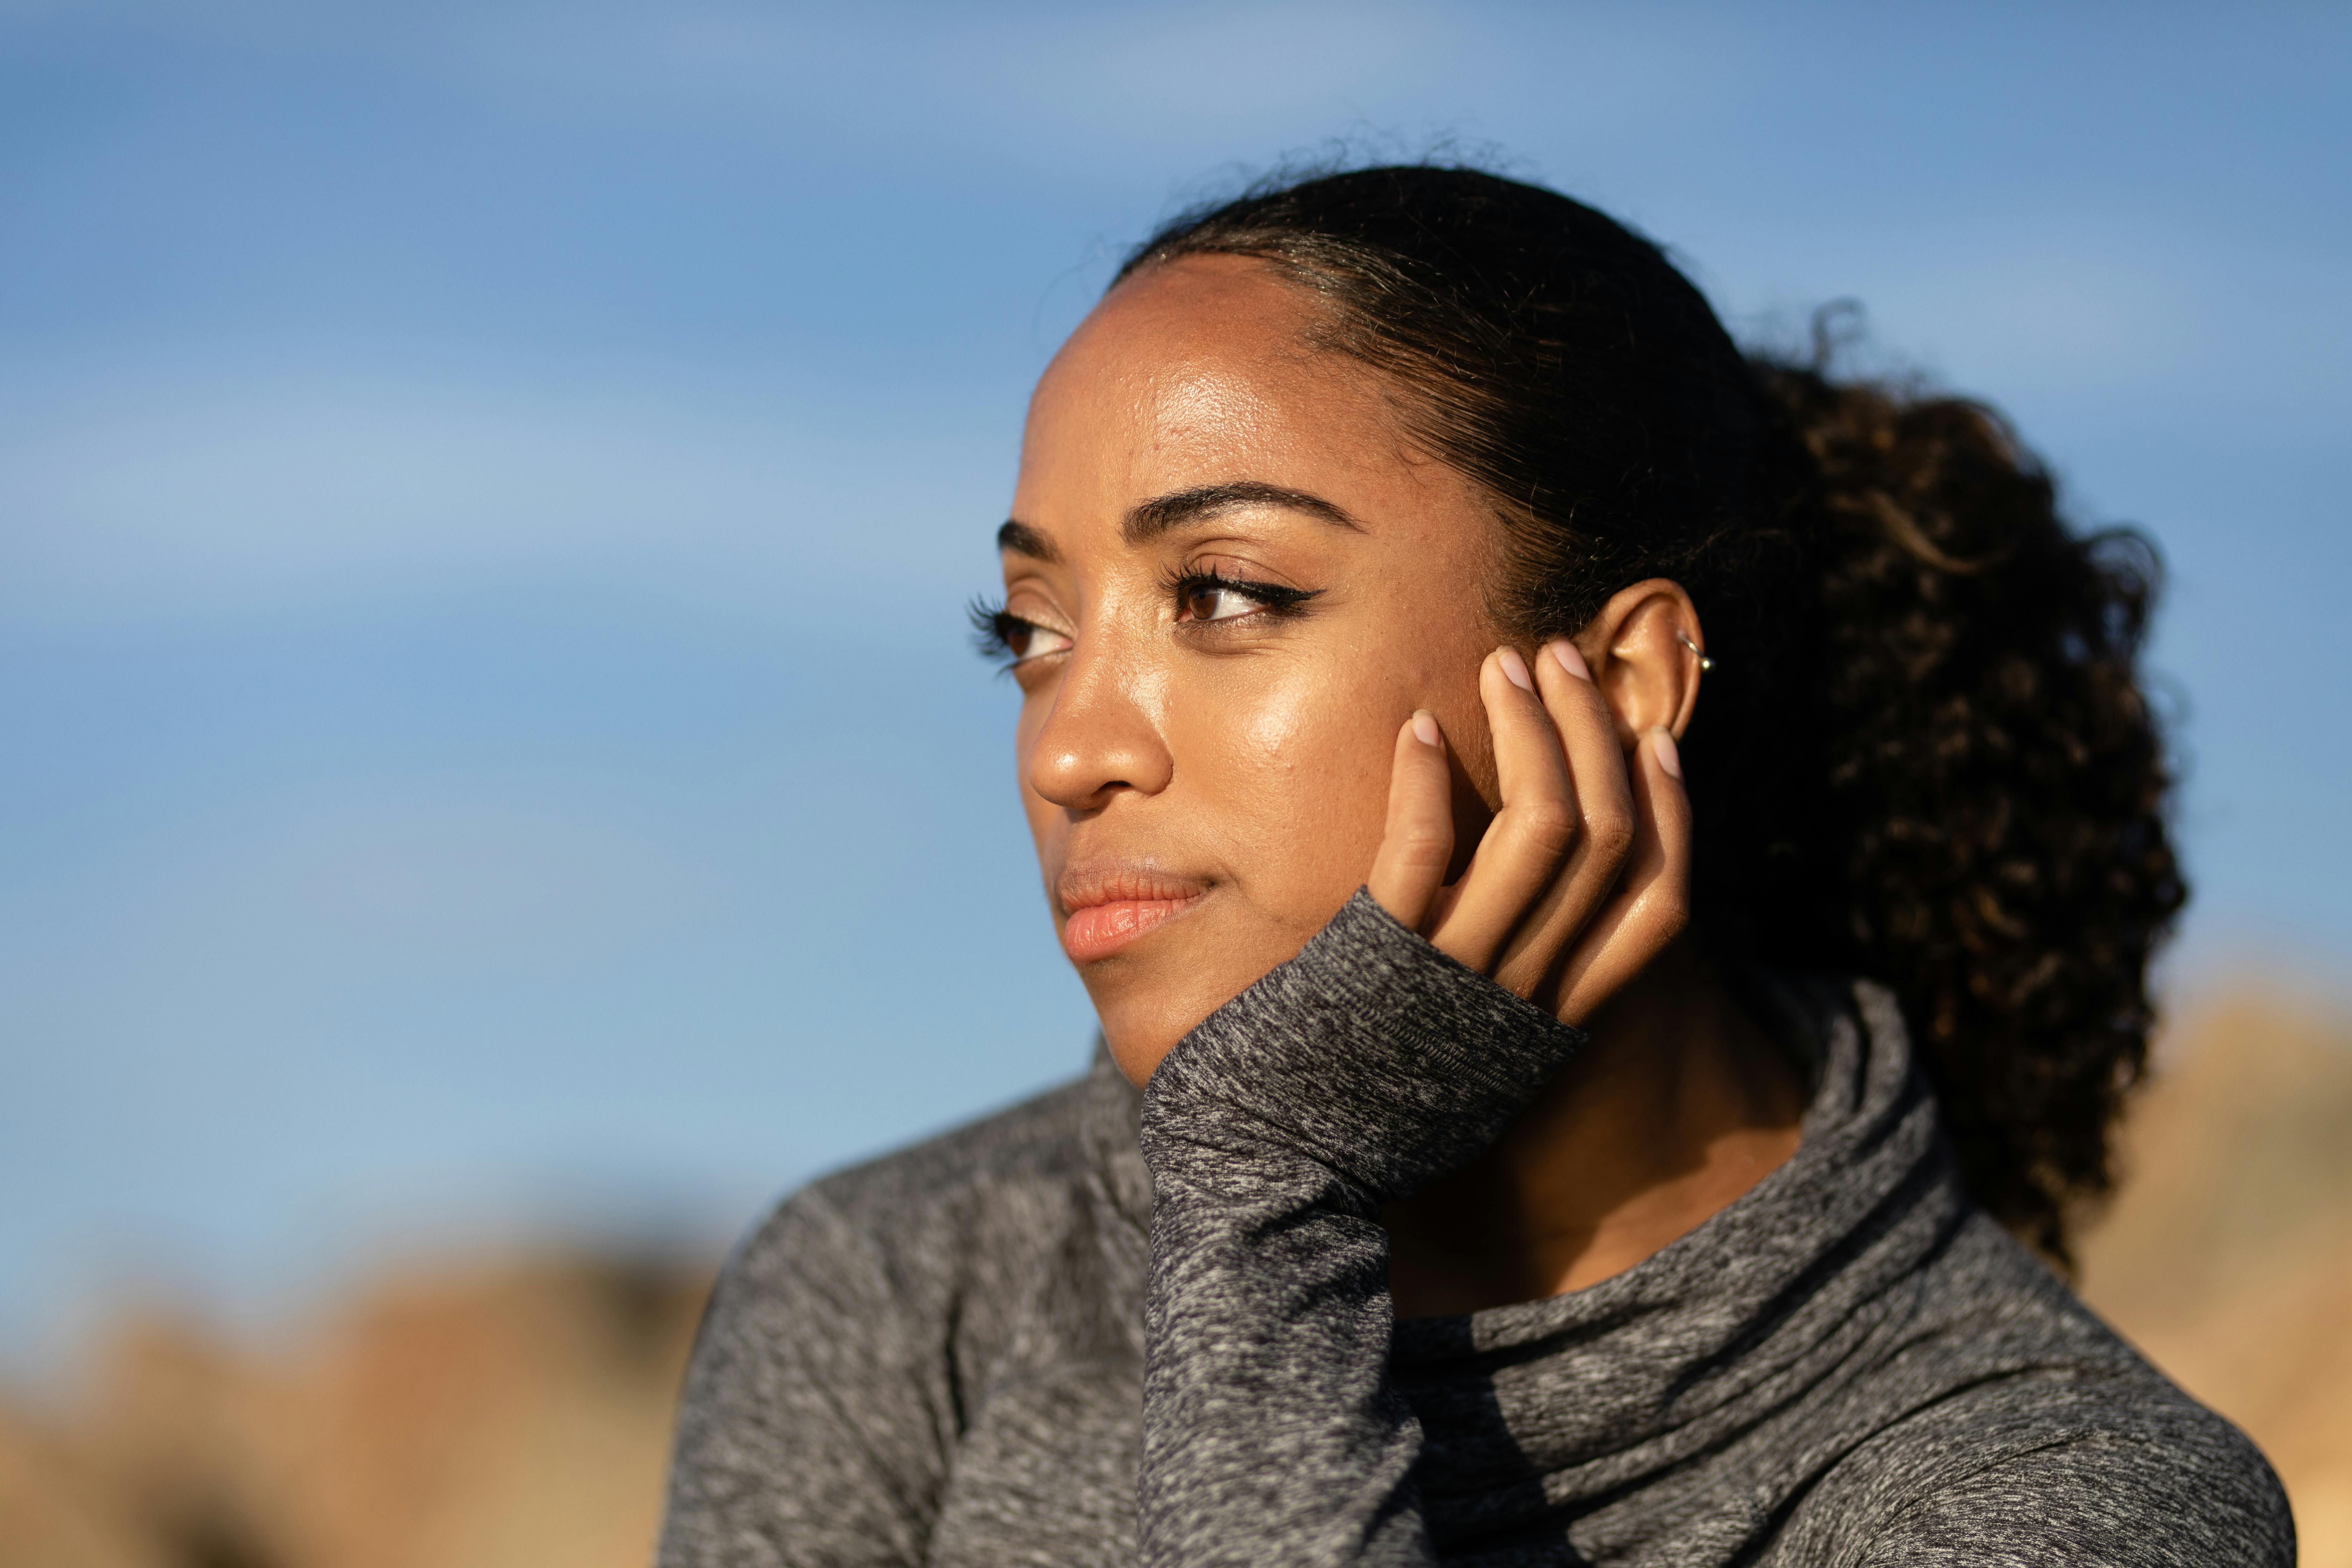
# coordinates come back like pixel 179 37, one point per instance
pixel 1582 876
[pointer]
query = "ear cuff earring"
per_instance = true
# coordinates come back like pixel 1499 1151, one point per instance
pixel 1705 663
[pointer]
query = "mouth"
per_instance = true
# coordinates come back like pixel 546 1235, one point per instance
pixel 1109 908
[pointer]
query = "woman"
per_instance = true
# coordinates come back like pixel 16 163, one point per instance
pixel 1617 872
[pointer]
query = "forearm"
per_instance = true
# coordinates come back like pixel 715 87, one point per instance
pixel 1270 1431
pixel 1356 1074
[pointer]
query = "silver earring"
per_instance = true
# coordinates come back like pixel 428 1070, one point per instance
pixel 1683 637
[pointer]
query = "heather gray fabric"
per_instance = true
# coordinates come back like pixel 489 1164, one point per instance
pixel 1100 1329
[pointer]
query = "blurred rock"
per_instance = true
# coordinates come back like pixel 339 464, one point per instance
pixel 516 1412
pixel 57 1513
pixel 506 1416
pixel 2227 1259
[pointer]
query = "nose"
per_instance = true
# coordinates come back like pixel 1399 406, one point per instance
pixel 1098 738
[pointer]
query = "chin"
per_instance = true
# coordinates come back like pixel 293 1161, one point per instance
pixel 1155 993
pixel 1142 1021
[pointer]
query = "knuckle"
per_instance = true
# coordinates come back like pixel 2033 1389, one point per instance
pixel 1669 913
pixel 1664 915
pixel 1423 846
pixel 1546 826
pixel 1613 834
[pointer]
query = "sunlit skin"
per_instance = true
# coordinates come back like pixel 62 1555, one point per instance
pixel 1248 623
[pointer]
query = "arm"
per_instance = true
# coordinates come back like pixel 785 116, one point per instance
pixel 808 1433
pixel 1367 1065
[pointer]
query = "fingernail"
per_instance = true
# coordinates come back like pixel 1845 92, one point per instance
pixel 1569 659
pixel 1516 667
pixel 1662 743
pixel 1424 728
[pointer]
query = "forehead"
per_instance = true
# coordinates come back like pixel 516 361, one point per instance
pixel 1197 371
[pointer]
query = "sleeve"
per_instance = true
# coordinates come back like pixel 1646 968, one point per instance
pixel 1357 1073
pixel 809 1431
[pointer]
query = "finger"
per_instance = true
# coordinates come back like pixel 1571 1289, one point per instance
pixel 1652 904
pixel 1531 831
pixel 1603 794
pixel 1410 866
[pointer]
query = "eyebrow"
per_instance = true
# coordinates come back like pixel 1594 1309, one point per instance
pixel 1017 538
pixel 1149 519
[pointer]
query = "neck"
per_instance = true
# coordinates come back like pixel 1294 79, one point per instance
pixel 1678 1105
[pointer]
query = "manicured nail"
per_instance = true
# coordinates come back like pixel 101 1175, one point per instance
pixel 1569 659
pixel 1516 667
pixel 1662 743
pixel 1424 728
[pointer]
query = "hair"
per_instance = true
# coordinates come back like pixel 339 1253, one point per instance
pixel 1924 755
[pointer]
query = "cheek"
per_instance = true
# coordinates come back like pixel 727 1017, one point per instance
pixel 1300 770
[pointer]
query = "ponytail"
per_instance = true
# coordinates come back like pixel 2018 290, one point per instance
pixel 1988 785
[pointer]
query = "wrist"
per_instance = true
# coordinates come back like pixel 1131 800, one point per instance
pixel 1371 1053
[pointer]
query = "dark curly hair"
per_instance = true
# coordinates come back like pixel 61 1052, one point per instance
pixel 1924 754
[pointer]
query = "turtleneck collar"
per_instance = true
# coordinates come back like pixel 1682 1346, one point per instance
pixel 1761 1305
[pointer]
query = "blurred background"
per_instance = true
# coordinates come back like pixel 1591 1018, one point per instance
pixel 495 787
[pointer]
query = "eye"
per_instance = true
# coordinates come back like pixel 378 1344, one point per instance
pixel 1203 596
pixel 1213 599
pixel 1026 640
pixel 1010 638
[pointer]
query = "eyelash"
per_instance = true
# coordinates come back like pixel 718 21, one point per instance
pixel 994 627
pixel 1274 601
pixel 991 629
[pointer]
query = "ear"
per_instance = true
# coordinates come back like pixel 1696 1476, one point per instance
pixel 1645 651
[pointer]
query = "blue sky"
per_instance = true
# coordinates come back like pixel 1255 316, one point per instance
pixel 486 493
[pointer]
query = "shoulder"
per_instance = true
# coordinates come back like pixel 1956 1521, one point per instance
pixel 2029 1431
pixel 2089 1470
pixel 825 1391
pixel 910 1215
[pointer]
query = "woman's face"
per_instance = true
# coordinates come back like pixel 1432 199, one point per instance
pixel 1228 582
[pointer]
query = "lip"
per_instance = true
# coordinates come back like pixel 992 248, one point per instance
pixel 1109 908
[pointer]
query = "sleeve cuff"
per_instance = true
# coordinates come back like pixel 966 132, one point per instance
pixel 1371 1053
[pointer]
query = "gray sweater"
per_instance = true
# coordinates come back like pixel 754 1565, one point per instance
pixel 1106 1327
